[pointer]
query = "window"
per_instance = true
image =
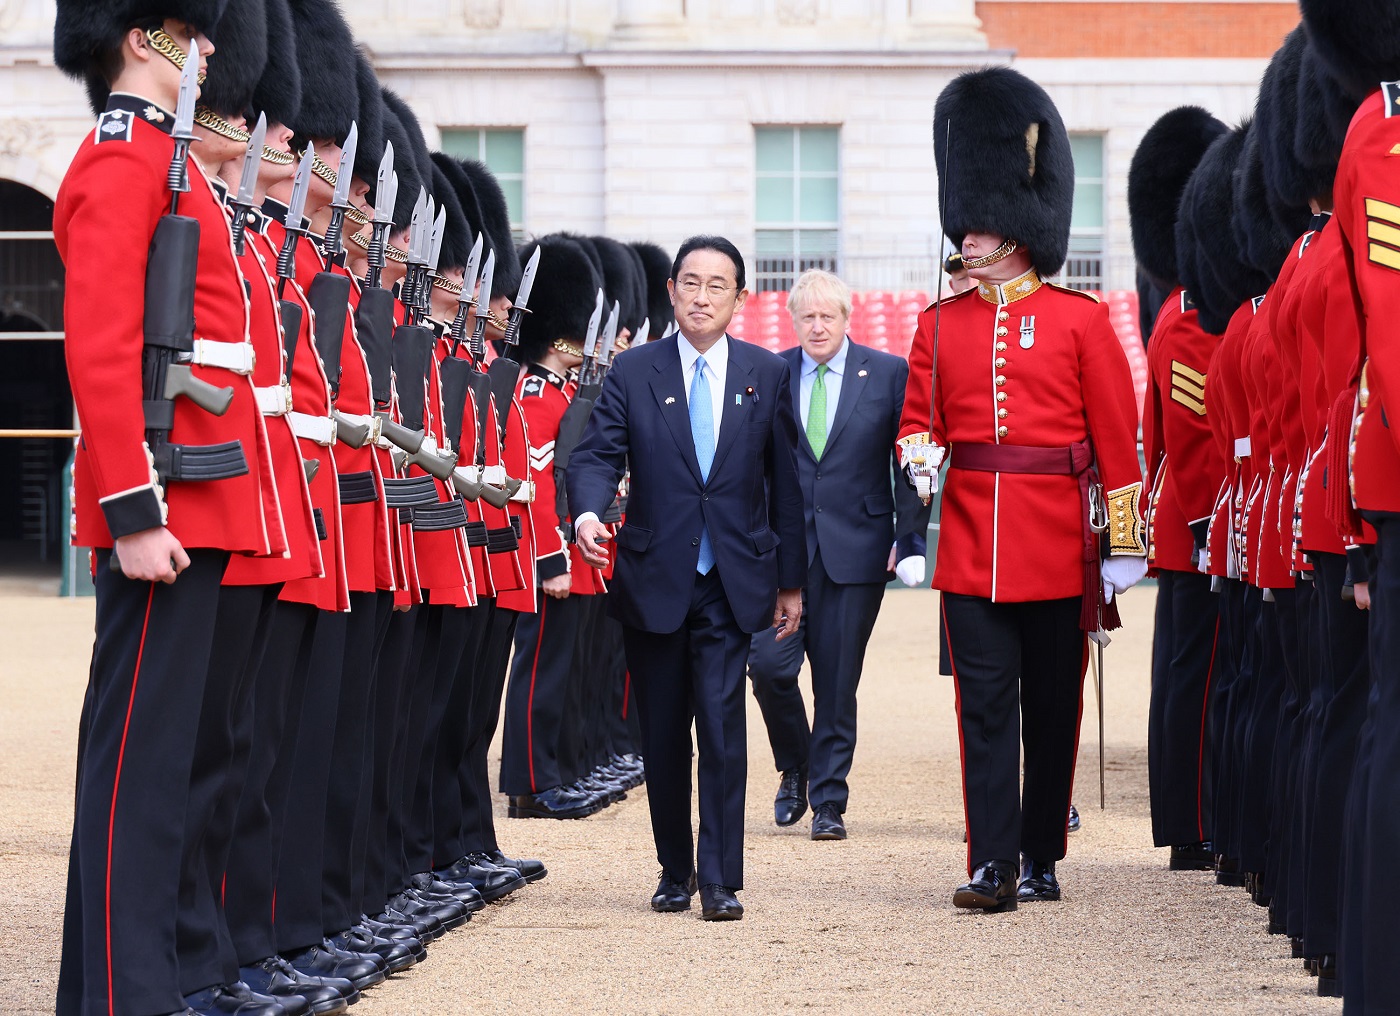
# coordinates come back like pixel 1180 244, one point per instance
pixel 797 203
pixel 503 152
pixel 1084 268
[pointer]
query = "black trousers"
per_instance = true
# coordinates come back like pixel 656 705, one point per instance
pixel 695 675
pixel 537 696
pixel 1184 651
pixel 137 742
pixel 1012 661
pixel 1256 731
pixel 226 719
pixel 1380 875
pixel 1239 610
pixel 1302 751
pixel 390 702
pixel 837 619
pixel 346 833
pixel 1345 650
pixel 476 824
pixel 250 877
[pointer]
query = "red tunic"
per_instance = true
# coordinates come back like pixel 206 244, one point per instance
pixel 523 593
pixel 444 568
pixel 1367 195
pixel 1031 365
pixel 1183 459
pixel 107 209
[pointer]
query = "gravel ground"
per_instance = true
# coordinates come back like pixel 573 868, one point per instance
pixel 865 925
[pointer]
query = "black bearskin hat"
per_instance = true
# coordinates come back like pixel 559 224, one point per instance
pixel 566 290
pixel 1288 187
pixel 405 167
pixel 657 265
pixel 456 244
pixel 83 32
pixel 370 121
pixel 326 59
pixel 1320 114
pixel 417 148
pixel 1165 159
pixel 456 178
pixel 1011 171
pixel 1264 235
pixel 278 92
pixel 495 223
pixel 1357 40
pixel 239 59
pixel 1210 262
pixel 639 285
pixel 620 282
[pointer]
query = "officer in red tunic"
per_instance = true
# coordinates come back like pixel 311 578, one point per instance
pixel 163 535
pixel 1033 405
pixel 1359 44
pixel 1185 470
pixel 551 346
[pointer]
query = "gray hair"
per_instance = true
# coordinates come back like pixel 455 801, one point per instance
pixel 816 286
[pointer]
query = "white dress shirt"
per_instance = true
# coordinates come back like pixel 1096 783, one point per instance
pixel 716 370
pixel 836 367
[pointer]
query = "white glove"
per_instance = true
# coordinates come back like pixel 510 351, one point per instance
pixel 1120 574
pixel 911 570
pixel 1203 561
pixel 921 462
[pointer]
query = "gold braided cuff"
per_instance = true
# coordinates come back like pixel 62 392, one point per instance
pixel 914 440
pixel 1126 532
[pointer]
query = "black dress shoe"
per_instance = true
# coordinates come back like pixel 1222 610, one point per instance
pixel 492 881
pixel 791 802
pixel 1278 923
pixel 992 888
pixel 449 915
pixel 1192 857
pixel 530 869
pixel 1227 871
pixel 1296 946
pixel 1038 881
pixel 227 1000
pixel 1074 823
pixel 672 894
pixel 276 977
pixel 718 903
pixel 320 962
pixel 1329 984
pixel 464 890
pixel 393 922
pixel 827 823
pixel 397 955
pixel 551 803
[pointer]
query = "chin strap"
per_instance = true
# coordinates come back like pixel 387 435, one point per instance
pixel 1003 252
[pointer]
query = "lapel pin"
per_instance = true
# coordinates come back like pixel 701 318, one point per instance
pixel 670 399
pixel 862 373
pixel 753 397
pixel 738 400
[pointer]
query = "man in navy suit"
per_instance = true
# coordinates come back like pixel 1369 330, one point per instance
pixel 848 399
pixel 712 551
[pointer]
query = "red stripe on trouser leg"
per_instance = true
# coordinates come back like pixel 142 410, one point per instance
pixel 116 783
pixel 1201 752
pixel 530 703
pixel 962 754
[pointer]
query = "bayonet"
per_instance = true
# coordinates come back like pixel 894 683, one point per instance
pixel 178 177
pixel 466 299
pixel 488 278
pixel 333 249
pixel 386 187
pixel 643 335
pixel 286 257
pixel 248 183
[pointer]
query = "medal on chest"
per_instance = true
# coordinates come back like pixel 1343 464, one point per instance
pixel 1028 331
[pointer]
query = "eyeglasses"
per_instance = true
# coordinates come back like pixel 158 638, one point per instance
pixel 692 286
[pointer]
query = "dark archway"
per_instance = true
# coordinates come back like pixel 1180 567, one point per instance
pixel 34 392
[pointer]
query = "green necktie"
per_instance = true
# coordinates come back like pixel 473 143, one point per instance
pixel 816 413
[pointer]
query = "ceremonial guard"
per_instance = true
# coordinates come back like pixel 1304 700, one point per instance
pixel 1024 387
pixel 1186 471
pixel 173 475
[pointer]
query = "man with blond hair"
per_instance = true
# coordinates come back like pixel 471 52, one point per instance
pixel 848 400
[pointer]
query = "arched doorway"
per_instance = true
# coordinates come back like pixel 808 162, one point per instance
pixel 35 400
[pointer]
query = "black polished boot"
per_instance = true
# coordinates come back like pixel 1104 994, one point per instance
pixel 1038 881
pixel 991 890
pixel 530 869
pixel 276 977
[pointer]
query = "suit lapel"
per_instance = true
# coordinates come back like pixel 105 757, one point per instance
pixel 668 386
pixel 795 385
pixel 736 405
pixel 852 384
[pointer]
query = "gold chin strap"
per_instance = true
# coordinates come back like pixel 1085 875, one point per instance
pixel 567 348
pixel 167 47
pixel 502 322
pixel 447 285
pixel 1007 248
pixel 356 216
pixel 276 156
pixel 322 170
pixel 361 239
pixel 207 118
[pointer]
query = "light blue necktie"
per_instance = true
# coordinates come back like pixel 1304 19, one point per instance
pixel 702 430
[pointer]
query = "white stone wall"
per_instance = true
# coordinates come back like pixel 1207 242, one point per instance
pixel 639 114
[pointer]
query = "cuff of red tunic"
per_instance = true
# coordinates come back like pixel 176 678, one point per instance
pixel 132 511
pixel 1127 536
